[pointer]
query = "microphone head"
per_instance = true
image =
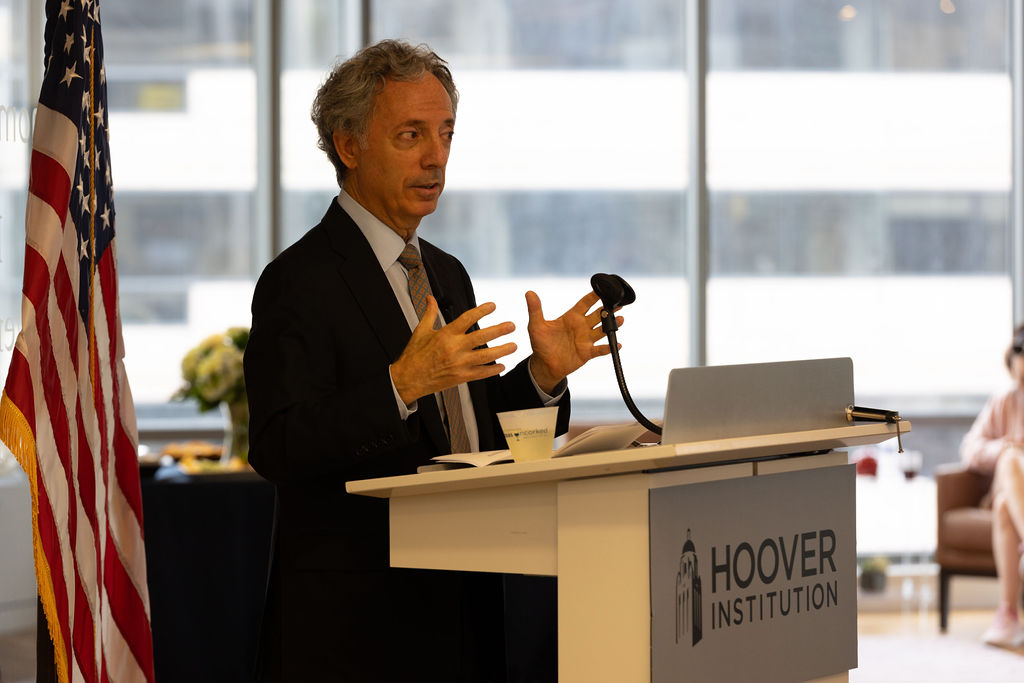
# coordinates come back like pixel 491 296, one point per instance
pixel 628 295
pixel 613 290
pixel 608 288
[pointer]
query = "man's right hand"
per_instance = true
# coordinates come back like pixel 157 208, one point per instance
pixel 434 360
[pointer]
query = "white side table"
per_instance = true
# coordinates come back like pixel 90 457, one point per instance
pixel 896 516
pixel 18 584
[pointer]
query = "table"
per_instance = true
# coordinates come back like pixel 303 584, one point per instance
pixel 207 552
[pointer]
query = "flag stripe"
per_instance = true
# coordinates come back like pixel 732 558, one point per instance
pixel 84 637
pixel 68 313
pixel 127 469
pixel 126 607
pixel 49 536
pixel 56 136
pixel 50 182
pixel 127 536
pixel 119 664
pixel 19 387
pixel 87 481
pixel 89 546
pixel 36 285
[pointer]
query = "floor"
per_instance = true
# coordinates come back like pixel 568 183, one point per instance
pixel 18 657
pixel 907 647
pixel 893 648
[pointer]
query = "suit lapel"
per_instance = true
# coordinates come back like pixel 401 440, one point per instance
pixel 370 289
pixel 367 283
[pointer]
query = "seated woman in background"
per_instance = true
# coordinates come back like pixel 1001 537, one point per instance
pixel 995 445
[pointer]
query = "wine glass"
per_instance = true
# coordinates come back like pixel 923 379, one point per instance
pixel 910 463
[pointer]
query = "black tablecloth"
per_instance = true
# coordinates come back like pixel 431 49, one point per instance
pixel 207 550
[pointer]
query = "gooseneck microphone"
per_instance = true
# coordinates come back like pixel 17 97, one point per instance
pixel 616 293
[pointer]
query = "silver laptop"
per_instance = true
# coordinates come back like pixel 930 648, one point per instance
pixel 725 401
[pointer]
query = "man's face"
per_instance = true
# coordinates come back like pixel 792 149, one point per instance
pixel 398 173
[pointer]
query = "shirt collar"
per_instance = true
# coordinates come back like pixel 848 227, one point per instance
pixel 387 244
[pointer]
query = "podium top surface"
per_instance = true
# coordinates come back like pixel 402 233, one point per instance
pixel 640 459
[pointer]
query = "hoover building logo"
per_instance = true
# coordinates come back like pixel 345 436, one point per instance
pixel 688 600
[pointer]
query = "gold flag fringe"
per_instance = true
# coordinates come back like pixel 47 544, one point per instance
pixel 17 435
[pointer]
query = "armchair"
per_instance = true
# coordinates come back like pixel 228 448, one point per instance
pixel 964 544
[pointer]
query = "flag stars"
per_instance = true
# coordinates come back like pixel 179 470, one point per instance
pixel 70 75
pixel 65 7
pixel 105 216
pixel 83 247
pixel 69 42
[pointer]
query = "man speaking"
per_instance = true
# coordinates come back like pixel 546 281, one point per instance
pixel 368 356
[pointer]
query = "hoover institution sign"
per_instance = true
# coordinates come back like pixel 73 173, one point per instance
pixel 754 578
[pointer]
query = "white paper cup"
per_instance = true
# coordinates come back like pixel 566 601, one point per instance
pixel 530 433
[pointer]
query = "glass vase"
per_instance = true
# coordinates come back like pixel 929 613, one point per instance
pixel 236 431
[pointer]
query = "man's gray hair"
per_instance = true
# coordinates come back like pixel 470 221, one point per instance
pixel 345 100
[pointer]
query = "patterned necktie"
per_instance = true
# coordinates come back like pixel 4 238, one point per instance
pixel 419 288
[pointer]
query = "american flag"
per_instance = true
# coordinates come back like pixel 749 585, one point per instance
pixel 67 412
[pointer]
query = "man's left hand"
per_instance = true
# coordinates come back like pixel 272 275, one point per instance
pixel 563 345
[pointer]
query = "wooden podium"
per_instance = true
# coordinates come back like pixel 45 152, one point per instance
pixel 586 520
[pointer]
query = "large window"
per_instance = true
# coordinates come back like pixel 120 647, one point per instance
pixel 859 171
pixel 182 100
pixel 569 159
pixel 315 33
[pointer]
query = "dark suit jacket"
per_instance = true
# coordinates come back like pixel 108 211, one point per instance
pixel 325 328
